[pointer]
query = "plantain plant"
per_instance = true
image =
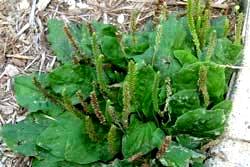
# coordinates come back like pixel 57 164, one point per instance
pixel 150 97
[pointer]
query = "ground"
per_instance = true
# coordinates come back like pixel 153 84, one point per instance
pixel 24 48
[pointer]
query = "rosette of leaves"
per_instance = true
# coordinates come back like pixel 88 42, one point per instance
pixel 152 97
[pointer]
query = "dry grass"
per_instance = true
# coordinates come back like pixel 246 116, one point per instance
pixel 24 49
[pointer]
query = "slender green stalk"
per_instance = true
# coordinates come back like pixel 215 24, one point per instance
pixel 226 27
pixel 155 92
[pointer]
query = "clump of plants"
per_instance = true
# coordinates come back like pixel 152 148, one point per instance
pixel 150 97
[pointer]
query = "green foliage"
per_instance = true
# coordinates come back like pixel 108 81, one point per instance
pixel 179 156
pixel 35 101
pixel 151 97
pixel 201 123
pixel 67 138
pixel 143 141
pixel 22 137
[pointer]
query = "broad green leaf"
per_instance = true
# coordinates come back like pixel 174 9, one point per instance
pixel 225 105
pixel 46 159
pixel 216 82
pixel 21 137
pixel 104 29
pixel 227 52
pixel 143 140
pixel 112 51
pixel 218 24
pixel 188 76
pixel 49 160
pixel 168 66
pixel 109 44
pixel 66 138
pixel 178 156
pixel 185 57
pixel 28 96
pixel 183 101
pixel 190 141
pixel 143 91
pixel 139 46
pixel 70 78
pixel 201 123
pixel 58 40
pixel 85 43
pixel 60 43
pixel 173 35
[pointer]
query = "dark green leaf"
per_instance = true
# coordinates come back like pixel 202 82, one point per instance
pixel 22 137
pixel 112 51
pixel 225 105
pixel 218 24
pixel 146 139
pixel 190 141
pixel 182 102
pixel 67 138
pixel 70 78
pixel 143 91
pixel 28 96
pixel 178 156
pixel 173 35
pixel 58 40
pixel 188 76
pixel 104 29
pixel 201 123
pixel 139 46
pixel 185 57
pixel 226 52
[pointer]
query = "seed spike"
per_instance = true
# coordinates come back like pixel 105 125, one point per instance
pixel 238 30
pixel 112 137
pixel 191 25
pixel 126 104
pixel 164 147
pixel 90 128
pixel 82 102
pixel 202 82
pixel 100 73
pixel 70 38
pixel 96 107
pixel 211 46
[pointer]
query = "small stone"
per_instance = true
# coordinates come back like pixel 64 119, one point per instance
pixel 120 19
